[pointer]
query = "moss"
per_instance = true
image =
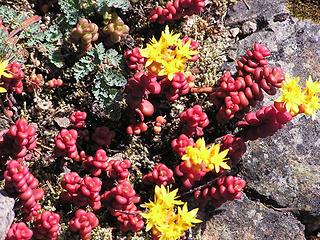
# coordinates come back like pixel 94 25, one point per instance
pixel 213 39
pixel 305 9
pixel 100 233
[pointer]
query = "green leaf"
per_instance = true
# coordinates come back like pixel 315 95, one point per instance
pixel 113 58
pixel 11 17
pixel 111 78
pixel 56 58
pixel 104 5
pixel 71 10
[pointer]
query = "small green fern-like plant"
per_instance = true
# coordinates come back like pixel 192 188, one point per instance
pixel 106 68
pixel 31 37
pixel 73 10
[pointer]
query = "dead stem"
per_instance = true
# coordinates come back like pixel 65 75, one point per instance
pixel 50 186
pixel 204 185
pixel 44 146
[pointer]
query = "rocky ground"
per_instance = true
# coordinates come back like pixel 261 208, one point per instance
pixel 282 172
pixel 282 199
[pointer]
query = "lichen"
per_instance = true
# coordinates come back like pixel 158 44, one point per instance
pixel 305 9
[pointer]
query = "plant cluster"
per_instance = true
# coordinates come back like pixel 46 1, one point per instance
pixel 175 10
pixel 161 68
pixel 83 222
pixel 237 93
pixel 18 140
pixel 19 230
pixel 19 181
pixel 197 147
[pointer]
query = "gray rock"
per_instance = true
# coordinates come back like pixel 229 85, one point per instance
pixel 234 32
pixel 6 214
pixel 249 27
pixel 251 220
pixel 285 169
pixel 262 10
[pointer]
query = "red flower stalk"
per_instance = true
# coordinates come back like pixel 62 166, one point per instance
pixel 119 169
pixel 78 119
pixel 65 143
pixel 139 87
pixel 103 136
pixel 235 95
pixel 180 144
pixel 19 180
pixel 120 196
pixel 83 222
pixel 236 146
pixel 189 174
pixel 253 59
pixel 98 163
pixel 160 175
pixel 55 83
pixel 134 59
pixel 20 138
pixel 176 9
pixel 47 226
pixel 81 192
pixel 263 123
pixel 195 120
pixel 14 84
pixel 71 182
pixel 178 86
pixel 19 231
pixel 121 199
pixel 226 188
pixel 129 220
pixel 90 189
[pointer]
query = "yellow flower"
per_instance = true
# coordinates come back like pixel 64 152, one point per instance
pixel 312 88
pixel 312 105
pixel 197 154
pixel 186 218
pixel 167 198
pixel 216 159
pixel 184 50
pixel 156 214
pixel 3 90
pixel 170 231
pixel 291 94
pixel 3 71
pixel 312 101
pixel 168 55
pixel 162 218
pixel 169 38
pixel 170 67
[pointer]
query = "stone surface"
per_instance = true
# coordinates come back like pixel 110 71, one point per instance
pixel 249 220
pixel 6 214
pixel 285 168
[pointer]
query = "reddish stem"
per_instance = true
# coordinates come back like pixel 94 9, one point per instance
pixel 201 90
pixel 26 23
